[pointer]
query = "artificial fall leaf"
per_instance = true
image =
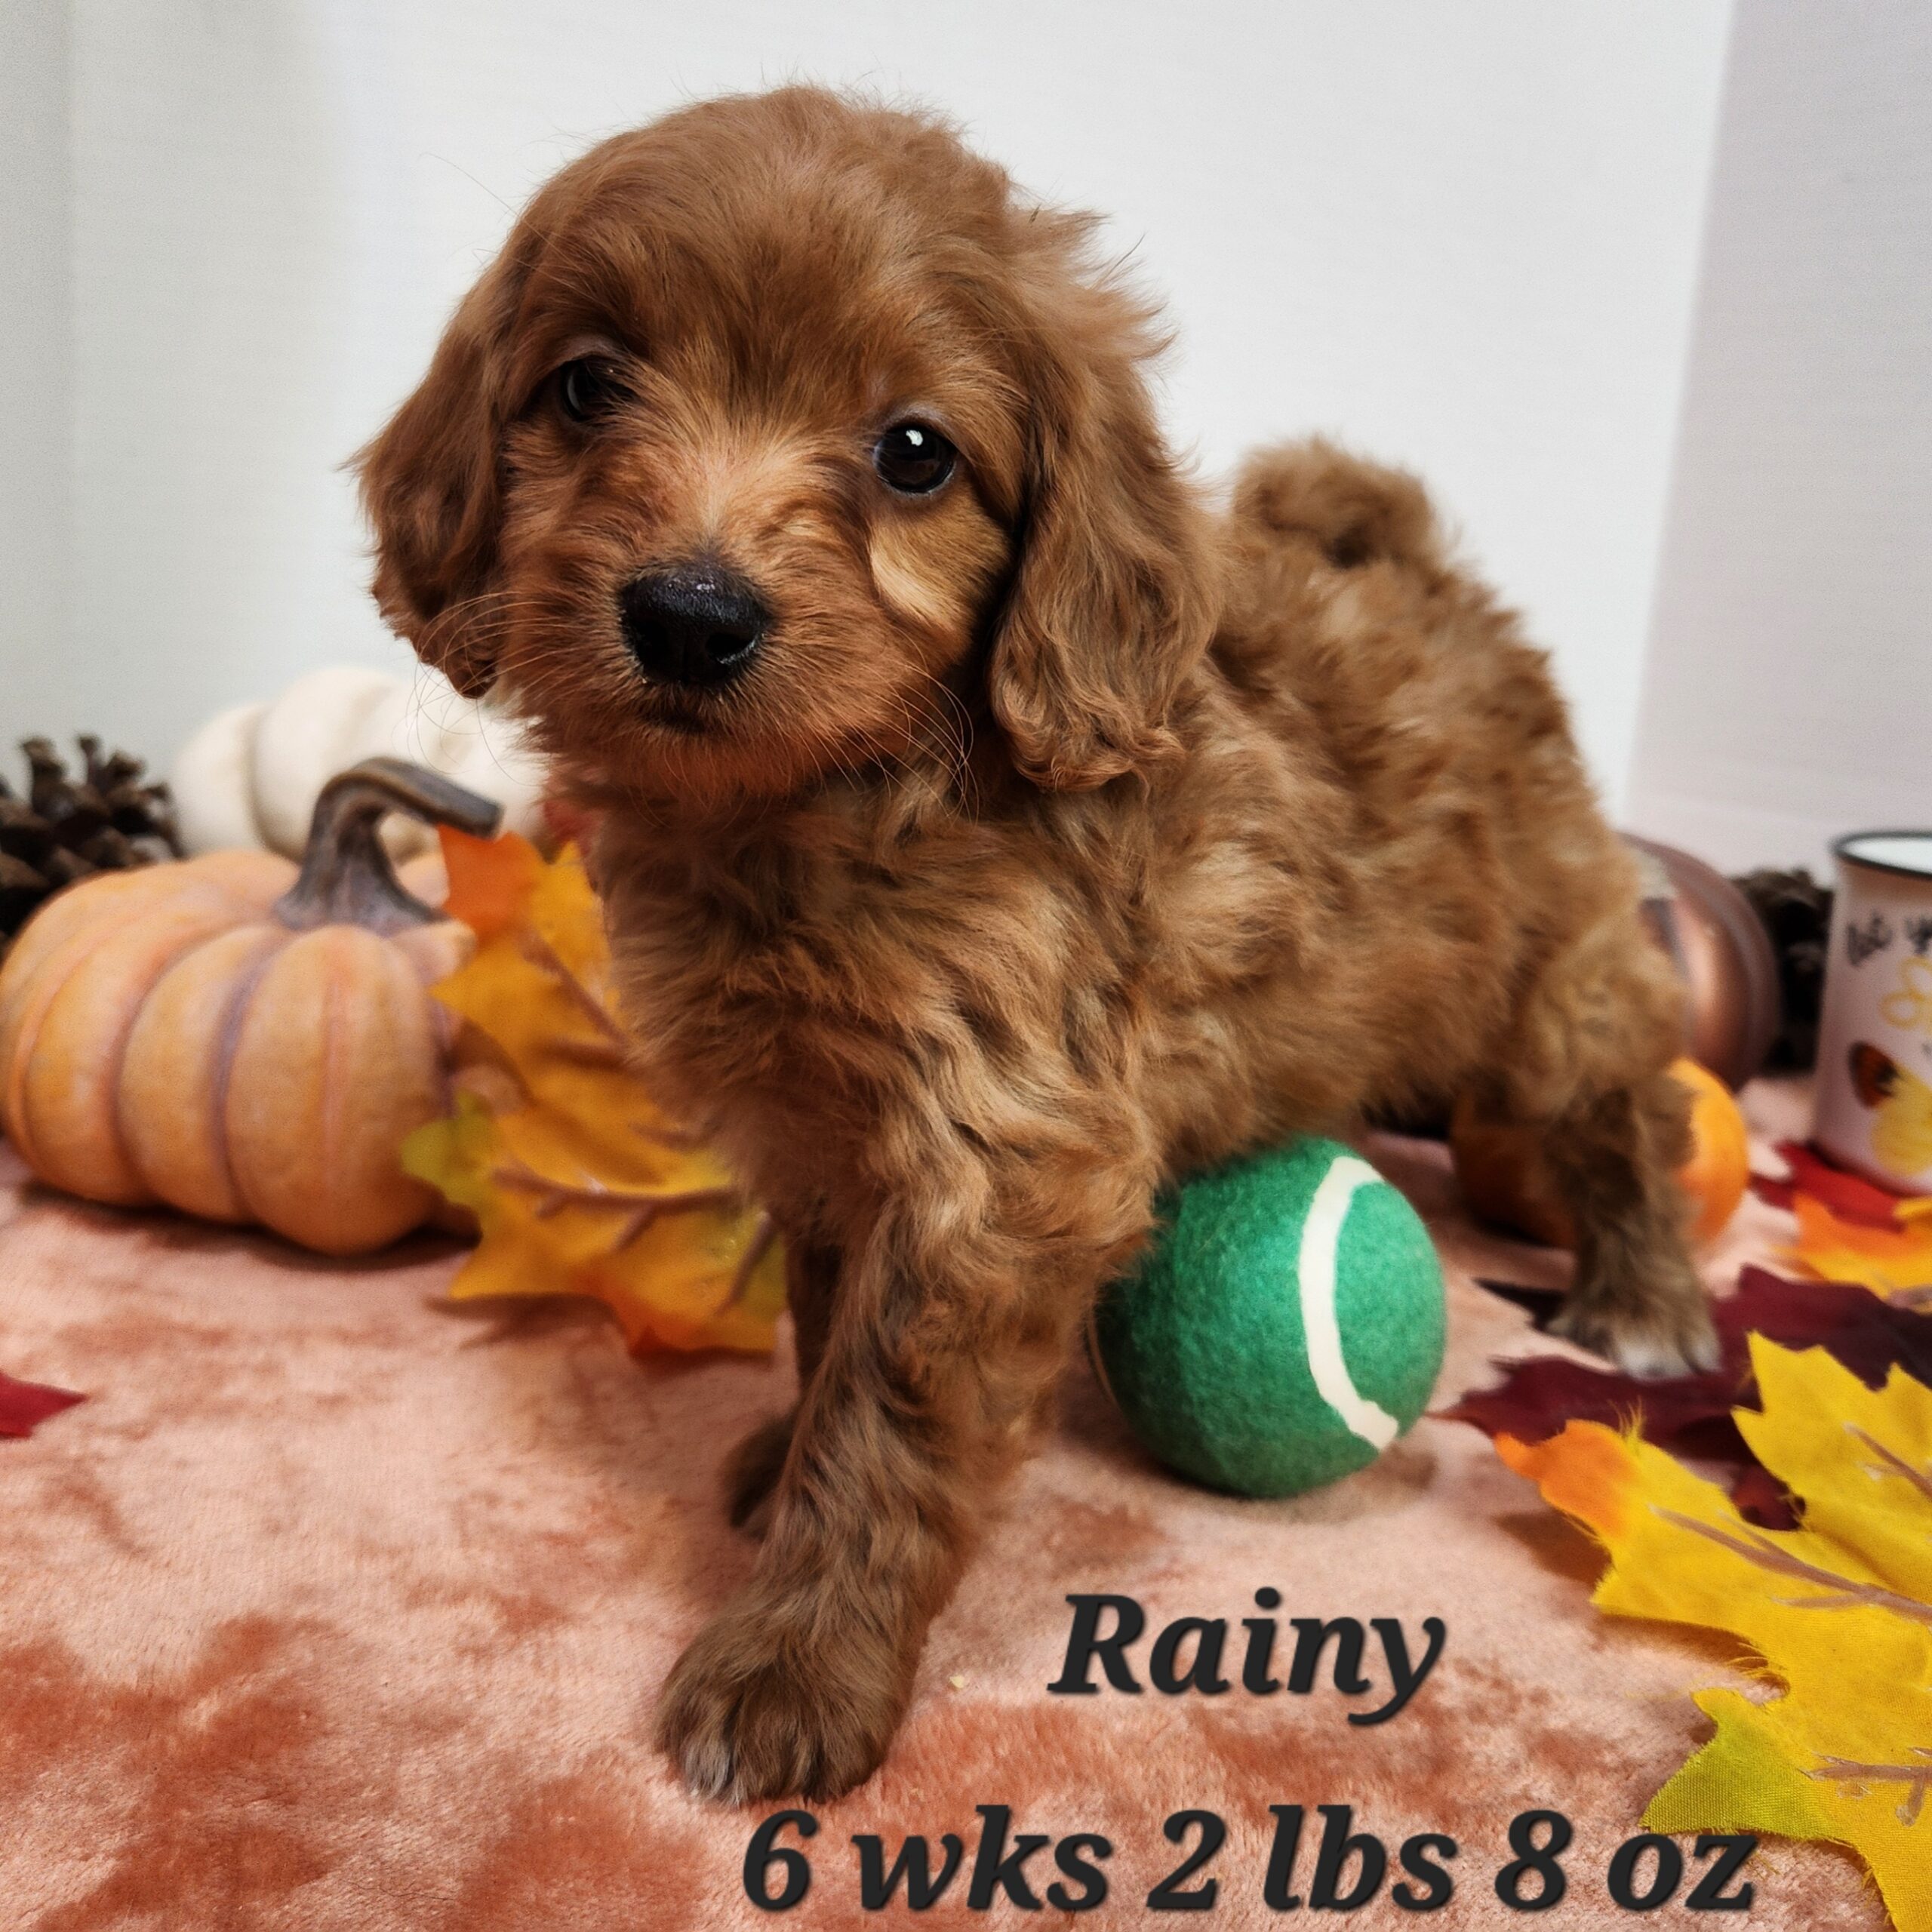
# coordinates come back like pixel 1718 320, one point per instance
pixel 1539 1394
pixel 491 880
pixel 1693 1414
pixel 1850 1196
pixel 579 1183
pixel 24 1405
pixel 1865 1333
pixel 1891 1261
pixel 1840 1609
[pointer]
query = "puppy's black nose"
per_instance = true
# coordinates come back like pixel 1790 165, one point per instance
pixel 698 625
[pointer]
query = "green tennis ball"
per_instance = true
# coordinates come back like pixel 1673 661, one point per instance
pixel 1285 1327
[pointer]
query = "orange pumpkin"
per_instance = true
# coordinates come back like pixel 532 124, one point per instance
pixel 1719 1168
pixel 242 1041
pixel 1504 1179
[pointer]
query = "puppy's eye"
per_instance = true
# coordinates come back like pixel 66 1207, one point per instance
pixel 913 459
pixel 589 389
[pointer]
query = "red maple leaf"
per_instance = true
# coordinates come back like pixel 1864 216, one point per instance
pixel 24 1405
pixel 1849 1196
pixel 1691 1415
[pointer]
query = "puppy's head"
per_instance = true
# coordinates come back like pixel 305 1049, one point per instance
pixel 776 428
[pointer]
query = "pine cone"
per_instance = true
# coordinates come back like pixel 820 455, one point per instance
pixel 67 828
pixel 1796 911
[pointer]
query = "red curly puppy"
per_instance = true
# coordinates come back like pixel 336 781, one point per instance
pixel 991 833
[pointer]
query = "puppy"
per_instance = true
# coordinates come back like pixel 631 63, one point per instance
pixel 990 832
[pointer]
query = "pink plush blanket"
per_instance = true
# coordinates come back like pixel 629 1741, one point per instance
pixel 337 1605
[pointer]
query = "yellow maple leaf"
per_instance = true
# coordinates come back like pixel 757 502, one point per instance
pixel 1840 1609
pixel 580 1183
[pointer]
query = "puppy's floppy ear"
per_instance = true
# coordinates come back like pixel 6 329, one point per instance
pixel 1112 596
pixel 430 488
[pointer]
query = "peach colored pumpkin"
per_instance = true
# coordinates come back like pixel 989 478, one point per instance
pixel 242 1041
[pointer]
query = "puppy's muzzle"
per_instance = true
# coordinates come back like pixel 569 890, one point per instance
pixel 696 625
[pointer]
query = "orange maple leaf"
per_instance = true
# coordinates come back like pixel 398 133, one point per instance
pixel 580 1183
pixel 1892 1262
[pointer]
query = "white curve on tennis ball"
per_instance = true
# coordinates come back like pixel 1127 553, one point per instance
pixel 1320 1237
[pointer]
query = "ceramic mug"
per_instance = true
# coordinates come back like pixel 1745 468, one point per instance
pixel 1875 1042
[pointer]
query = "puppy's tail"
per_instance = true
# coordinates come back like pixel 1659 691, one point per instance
pixel 1354 512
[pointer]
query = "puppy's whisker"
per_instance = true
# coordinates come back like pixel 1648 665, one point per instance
pixel 943 727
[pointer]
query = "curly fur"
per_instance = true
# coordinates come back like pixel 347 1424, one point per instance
pixel 1064 837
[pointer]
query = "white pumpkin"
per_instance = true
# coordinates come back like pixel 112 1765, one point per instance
pixel 250 775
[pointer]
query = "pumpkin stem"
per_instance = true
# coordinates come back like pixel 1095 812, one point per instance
pixel 346 878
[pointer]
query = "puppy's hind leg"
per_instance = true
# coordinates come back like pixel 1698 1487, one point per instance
pixel 1635 1297
pixel 1585 1068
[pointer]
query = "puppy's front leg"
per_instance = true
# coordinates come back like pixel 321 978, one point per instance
pixel 929 1377
pixel 811 1285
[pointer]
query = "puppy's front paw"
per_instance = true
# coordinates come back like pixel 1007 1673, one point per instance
pixel 757 1709
pixel 1652 1339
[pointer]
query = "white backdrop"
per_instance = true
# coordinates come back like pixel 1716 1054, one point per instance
pixel 1463 237
pixel 1788 693
pixel 36 364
